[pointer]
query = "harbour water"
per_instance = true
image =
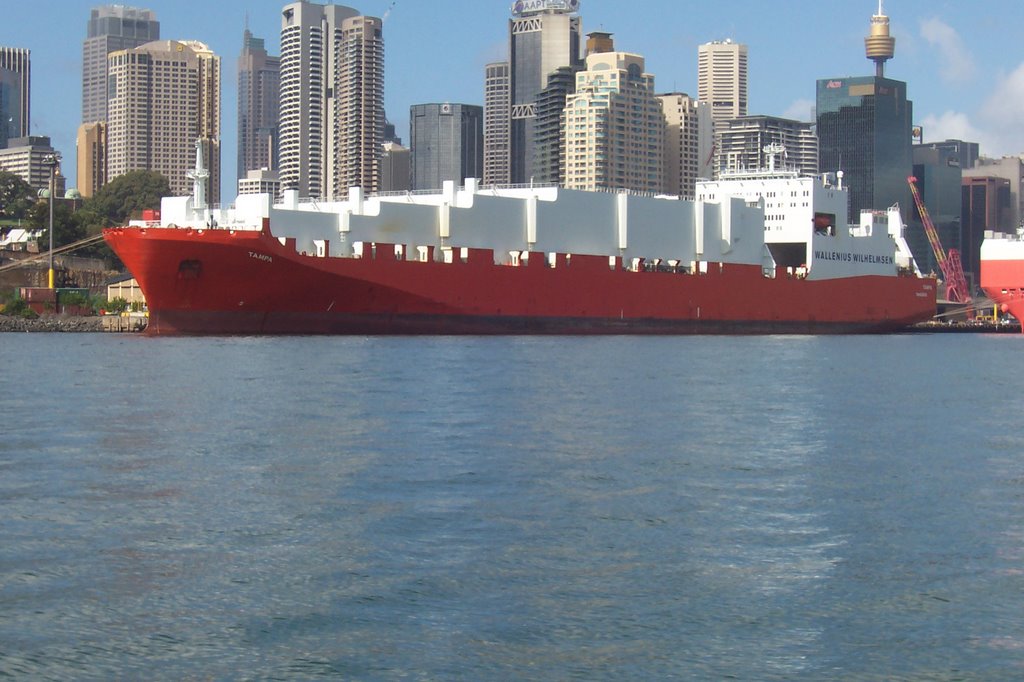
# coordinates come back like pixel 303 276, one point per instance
pixel 753 508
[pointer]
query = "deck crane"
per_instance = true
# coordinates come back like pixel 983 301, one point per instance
pixel 949 263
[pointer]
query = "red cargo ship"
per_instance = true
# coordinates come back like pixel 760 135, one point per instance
pixel 1002 272
pixel 528 260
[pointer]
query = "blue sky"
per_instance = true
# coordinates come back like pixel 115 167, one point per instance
pixel 964 67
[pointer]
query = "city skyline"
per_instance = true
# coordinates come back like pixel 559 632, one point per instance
pixel 962 73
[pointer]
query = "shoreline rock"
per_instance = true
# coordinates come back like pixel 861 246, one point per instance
pixel 51 323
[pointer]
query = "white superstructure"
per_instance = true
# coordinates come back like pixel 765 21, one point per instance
pixel 806 223
pixel 1003 246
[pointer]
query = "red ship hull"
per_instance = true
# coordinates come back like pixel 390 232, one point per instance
pixel 247 282
pixel 1003 282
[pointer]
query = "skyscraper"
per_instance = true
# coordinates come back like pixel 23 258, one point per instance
pixel 939 182
pixel 548 134
pixel 688 138
pixel 548 137
pixel 986 204
pixel 309 49
pixel 447 143
pixel 614 127
pixel 110 28
pixel 497 104
pixel 543 36
pixel 91 144
pixel 358 123
pixel 864 130
pixel 259 82
pixel 332 99
pixel 15 93
pixel 164 96
pixel 722 78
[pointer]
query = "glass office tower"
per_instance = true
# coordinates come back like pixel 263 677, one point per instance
pixel 447 143
pixel 544 35
pixel 864 130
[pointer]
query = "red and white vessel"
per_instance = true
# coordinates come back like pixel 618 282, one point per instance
pixel 1002 271
pixel 761 252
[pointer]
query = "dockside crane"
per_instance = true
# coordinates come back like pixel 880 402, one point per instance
pixel 949 263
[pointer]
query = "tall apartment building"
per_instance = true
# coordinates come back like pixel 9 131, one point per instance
pixel 332 99
pixel 164 96
pixel 259 84
pixel 543 36
pixel 497 105
pixel 15 93
pixel 358 125
pixel 722 78
pixel 689 135
pixel 446 142
pixel 548 142
pixel 614 127
pixel 110 28
pixel 91 144
pixel 741 144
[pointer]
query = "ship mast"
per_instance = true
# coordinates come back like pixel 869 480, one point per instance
pixel 198 176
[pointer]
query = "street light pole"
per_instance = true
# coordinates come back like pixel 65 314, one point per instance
pixel 52 183
pixel 52 160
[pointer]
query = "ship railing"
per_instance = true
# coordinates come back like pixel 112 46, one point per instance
pixel 519 185
pixel 492 187
pixel 480 188
pixel 214 225
pixel 405 193
pixel 758 174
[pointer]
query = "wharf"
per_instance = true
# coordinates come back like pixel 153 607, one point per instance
pixel 124 323
pixel 965 327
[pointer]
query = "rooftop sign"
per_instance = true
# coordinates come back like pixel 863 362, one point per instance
pixel 525 7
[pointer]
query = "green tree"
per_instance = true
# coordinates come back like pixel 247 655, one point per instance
pixel 125 197
pixel 16 196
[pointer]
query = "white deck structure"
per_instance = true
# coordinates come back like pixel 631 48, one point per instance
pixel 772 219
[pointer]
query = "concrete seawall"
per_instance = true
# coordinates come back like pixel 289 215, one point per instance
pixel 52 323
